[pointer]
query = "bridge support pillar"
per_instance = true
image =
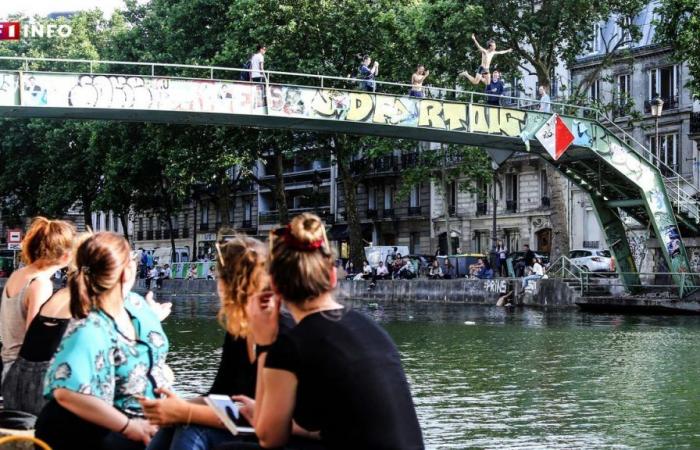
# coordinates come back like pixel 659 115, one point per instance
pixel 618 244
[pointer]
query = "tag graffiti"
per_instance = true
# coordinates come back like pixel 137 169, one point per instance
pixel 496 286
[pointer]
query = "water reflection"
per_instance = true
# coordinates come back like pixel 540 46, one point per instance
pixel 518 378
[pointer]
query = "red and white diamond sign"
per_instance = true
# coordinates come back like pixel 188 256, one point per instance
pixel 555 137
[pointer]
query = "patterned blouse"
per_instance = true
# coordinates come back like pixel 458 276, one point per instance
pixel 96 358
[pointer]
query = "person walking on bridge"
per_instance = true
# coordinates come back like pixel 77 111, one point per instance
pixel 257 65
pixel 417 81
pixel 487 54
pixel 368 74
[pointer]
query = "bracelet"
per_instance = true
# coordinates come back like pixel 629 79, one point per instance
pixel 260 349
pixel 126 425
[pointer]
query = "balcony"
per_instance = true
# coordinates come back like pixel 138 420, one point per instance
pixel 669 103
pixel 247 224
pixel 385 164
pixel 545 202
pixel 204 226
pixel 139 235
pixel 480 208
pixel 414 210
pixel 268 217
pixel 149 235
pixel 409 160
pixel 511 206
pixel 388 213
pixel 695 123
pixel 158 235
pixel 185 233
pixel 371 213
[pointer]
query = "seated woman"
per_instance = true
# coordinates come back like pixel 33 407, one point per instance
pixel 112 354
pixel 337 372
pixel 46 248
pixel 435 272
pixel 191 424
pixel 475 268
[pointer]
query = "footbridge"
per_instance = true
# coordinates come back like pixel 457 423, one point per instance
pixel 619 173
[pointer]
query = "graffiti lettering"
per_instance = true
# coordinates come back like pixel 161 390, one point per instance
pixel 496 286
pixel 455 116
pixel 429 114
pixel 360 107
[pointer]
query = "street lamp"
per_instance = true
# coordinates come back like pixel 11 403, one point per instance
pixel 494 238
pixel 657 107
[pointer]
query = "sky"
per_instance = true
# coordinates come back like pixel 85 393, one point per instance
pixel 44 7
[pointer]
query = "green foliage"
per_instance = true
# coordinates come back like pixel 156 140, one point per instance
pixel 679 27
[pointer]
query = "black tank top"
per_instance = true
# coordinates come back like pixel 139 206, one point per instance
pixel 43 337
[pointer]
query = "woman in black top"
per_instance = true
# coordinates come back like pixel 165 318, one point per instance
pixel 336 373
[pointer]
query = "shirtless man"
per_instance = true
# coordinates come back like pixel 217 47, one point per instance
pixel 417 81
pixel 482 73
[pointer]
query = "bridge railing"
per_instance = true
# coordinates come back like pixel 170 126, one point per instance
pixel 680 190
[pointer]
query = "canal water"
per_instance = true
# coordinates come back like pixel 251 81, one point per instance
pixel 485 377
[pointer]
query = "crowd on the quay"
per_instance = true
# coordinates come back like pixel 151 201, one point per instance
pixel 529 266
pixel 90 360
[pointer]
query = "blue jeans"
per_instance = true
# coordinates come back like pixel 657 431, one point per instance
pixel 194 437
pixel 530 277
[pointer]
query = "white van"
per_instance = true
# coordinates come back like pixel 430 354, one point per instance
pixel 164 255
pixel 378 253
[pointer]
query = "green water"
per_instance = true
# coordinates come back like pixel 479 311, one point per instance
pixel 515 379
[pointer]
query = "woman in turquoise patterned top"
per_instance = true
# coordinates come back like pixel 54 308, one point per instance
pixel 112 354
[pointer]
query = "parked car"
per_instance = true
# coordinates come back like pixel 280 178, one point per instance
pixel 591 260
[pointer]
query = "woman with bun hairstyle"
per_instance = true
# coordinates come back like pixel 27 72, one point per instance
pixel 336 372
pixel 191 424
pixel 46 248
pixel 111 355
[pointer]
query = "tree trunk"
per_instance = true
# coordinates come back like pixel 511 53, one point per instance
pixel 560 231
pixel 445 202
pixel 123 219
pixel 87 212
pixel 280 195
pixel 356 243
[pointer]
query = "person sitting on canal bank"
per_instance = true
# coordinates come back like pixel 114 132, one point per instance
pixel 486 272
pixel 435 271
pixel 527 261
pixel 475 269
pixel 382 272
pixel 112 354
pixel 336 372
pixel 396 265
pixel 406 271
pixel 191 424
pixel 46 248
pixel 537 273
pixel 192 273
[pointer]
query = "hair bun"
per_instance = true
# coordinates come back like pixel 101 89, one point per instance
pixel 306 228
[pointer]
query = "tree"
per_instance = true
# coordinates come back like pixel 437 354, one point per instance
pixel 678 25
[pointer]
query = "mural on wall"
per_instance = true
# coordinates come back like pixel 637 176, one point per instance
pixel 8 88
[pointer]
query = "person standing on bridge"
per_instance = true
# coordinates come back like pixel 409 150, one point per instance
pixel 417 81
pixel 257 65
pixel 495 89
pixel 368 74
pixel 487 54
pixel 545 105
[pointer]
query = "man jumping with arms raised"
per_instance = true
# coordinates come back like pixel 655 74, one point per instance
pixel 482 73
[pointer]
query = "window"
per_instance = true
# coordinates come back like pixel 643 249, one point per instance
pixel 481 241
pixel 623 92
pixel 414 243
pixel 511 192
pixel 108 223
pixel 663 82
pixel 666 152
pixel 204 212
pixel 218 215
pixel 98 221
pixel 388 197
pixel 512 239
pixel 595 43
pixel 594 91
pixel 185 220
pixel 140 223
pixel 622 31
pixel 231 211
pixel 544 184
pixel 174 220
pixel 452 200
pixel 150 224
pixel 414 199
pixel 115 222
pixel 247 210
pixel 372 197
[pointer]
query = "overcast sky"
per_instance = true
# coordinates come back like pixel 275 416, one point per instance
pixel 44 7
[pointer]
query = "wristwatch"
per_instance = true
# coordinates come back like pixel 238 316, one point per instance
pixel 260 349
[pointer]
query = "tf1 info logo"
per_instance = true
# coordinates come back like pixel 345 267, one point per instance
pixel 12 31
